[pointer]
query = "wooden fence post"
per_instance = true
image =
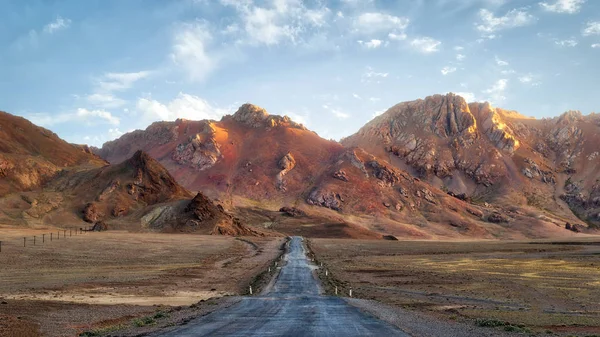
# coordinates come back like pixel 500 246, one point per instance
pixel 34 240
pixel 24 241
pixel 43 238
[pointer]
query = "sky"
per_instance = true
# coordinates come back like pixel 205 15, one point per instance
pixel 93 70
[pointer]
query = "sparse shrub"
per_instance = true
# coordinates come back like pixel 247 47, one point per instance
pixel 494 323
pixel 140 322
pixel 160 314
pixel 489 323
pixel 100 331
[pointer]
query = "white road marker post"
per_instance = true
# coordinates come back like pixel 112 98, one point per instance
pixel 326 272
pixel 269 269
pixel 350 292
pixel 336 290
pixel 250 290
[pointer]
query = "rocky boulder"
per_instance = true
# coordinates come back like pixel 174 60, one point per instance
pixel 496 217
pixel 91 213
pixel 325 198
pixel 292 211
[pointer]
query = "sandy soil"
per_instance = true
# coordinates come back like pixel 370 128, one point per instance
pixel 542 286
pixel 62 287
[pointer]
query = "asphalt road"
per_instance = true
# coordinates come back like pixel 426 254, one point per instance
pixel 292 307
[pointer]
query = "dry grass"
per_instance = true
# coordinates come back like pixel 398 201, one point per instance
pixel 109 275
pixel 540 285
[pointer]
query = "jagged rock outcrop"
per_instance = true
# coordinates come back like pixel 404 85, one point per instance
pixel 494 128
pixel 285 164
pixel 201 151
pixel 325 198
pixel 386 175
pixel 341 175
pixel 256 117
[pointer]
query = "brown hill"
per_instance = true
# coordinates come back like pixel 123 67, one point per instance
pixel 137 194
pixel 31 155
pixel 389 178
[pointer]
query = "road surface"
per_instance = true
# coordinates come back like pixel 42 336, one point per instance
pixel 293 307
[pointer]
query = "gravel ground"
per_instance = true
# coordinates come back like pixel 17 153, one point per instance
pixel 422 325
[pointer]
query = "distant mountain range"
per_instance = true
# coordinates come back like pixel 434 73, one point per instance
pixel 431 168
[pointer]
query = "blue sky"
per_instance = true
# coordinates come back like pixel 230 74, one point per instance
pixel 92 70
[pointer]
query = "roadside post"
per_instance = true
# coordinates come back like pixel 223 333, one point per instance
pixel 250 290
pixel 34 240
pixel 24 241
pixel 50 236
pixel 43 238
pixel 350 292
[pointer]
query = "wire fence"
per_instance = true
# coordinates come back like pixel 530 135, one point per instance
pixel 44 238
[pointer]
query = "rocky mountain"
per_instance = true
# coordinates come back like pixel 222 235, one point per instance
pixel 495 155
pixel 31 155
pixel 437 167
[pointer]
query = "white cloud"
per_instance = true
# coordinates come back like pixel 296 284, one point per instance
pixel 448 70
pixel 489 23
pixel 529 79
pixel 397 36
pixel 458 48
pixel 374 22
pixel 496 91
pixel 468 96
pixel 56 25
pixel 356 96
pixel 336 112
pixel 119 81
pixel 460 57
pixel 282 21
pixel 374 99
pixel 97 114
pixel 563 6
pixel 189 50
pixel 500 62
pixel 593 28
pixel 371 76
pixel 596 45
pixel 106 100
pixel 79 116
pixel 374 43
pixel 425 45
pixel 183 106
pixel 526 78
pixel 566 43
pixel 105 86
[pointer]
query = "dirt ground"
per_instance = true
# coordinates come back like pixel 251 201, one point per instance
pixel 75 283
pixel 539 286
